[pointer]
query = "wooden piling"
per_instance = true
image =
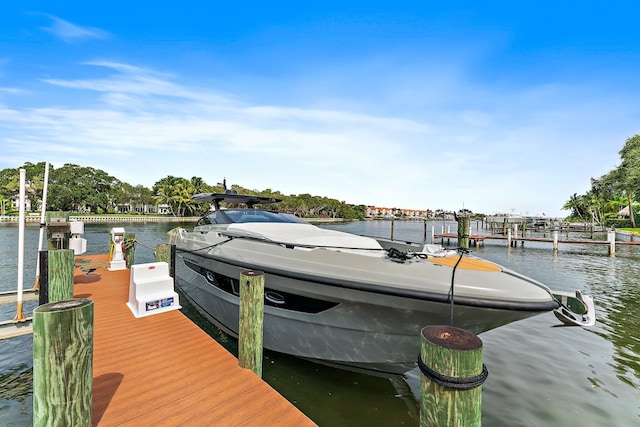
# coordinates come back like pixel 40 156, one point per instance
pixel 60 274
pixel 163 253
pixel 43 274
pixel 555 241
pixel 63 363
pixel 611 236
pixel 424 233
pixel 129 248
pixel 451 377
pixel 463 231
pixel 393 225
pixel 167 253
pixel 251 317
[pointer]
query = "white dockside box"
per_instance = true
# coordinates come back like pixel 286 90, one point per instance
pixel 151 289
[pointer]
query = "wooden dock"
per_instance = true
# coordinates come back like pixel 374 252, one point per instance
pixel 164 370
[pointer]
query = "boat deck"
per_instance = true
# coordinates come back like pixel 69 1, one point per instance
pixel 164 370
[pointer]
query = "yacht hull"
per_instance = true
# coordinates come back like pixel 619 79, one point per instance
pixel 342 312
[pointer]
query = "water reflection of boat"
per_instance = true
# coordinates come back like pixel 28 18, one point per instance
pixel 341 298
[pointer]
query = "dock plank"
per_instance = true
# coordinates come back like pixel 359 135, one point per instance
pixel 164 370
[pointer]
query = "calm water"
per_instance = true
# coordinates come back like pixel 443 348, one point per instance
pixel 540 374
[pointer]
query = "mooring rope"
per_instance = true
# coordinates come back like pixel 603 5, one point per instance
pixel 453 275
pixel 453 382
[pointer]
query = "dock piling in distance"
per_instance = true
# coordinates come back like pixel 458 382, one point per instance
pixel 464 222
pixel 451 377
pixel 63 363
pixel 251 318
pixel 611 236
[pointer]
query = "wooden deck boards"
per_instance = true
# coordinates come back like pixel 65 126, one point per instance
pixel 164 370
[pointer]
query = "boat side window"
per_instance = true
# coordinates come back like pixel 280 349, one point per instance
pixel 256 215
pixel 215 218
pixel 247 215
pixel 203 221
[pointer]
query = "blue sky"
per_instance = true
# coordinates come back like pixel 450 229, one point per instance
pixel 491 106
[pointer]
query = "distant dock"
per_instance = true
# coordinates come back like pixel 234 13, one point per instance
pixel 479 239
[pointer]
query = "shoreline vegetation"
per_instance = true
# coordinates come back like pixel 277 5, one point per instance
pixel 140 218
pixel 611 201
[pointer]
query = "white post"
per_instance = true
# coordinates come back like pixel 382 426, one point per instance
pixel 612 242
pixel 555 241
pixel 42 223
pixel 20 317
pixel 509 237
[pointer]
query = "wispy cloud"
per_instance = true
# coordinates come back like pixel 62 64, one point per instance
pixel 137 116
pixel 12 90
pixel 70 32
pixel 185 131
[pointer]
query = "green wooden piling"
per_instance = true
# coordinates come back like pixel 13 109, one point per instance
pixel 61 269
pixel 464 222
pixel 251 317
pixel 63 363
pixel 163 253
pixel 451 377
pixel 129 248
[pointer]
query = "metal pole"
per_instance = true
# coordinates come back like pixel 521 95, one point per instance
pixel 20 317
pixel 42 222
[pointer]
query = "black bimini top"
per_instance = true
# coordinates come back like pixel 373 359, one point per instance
pixel 231 196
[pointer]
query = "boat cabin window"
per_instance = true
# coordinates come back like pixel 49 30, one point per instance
pixel 229 216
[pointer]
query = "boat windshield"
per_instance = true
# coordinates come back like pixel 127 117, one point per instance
pixel 238 216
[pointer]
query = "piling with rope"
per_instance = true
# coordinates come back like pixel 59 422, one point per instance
pixel 464 222
pixel 452 374
pixel 129 248
pixel 167 253
pixel 251 318
pixel 162 253
pixel 63 363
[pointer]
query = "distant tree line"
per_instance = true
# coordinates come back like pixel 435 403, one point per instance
pixel 74 188
pixel 612 192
